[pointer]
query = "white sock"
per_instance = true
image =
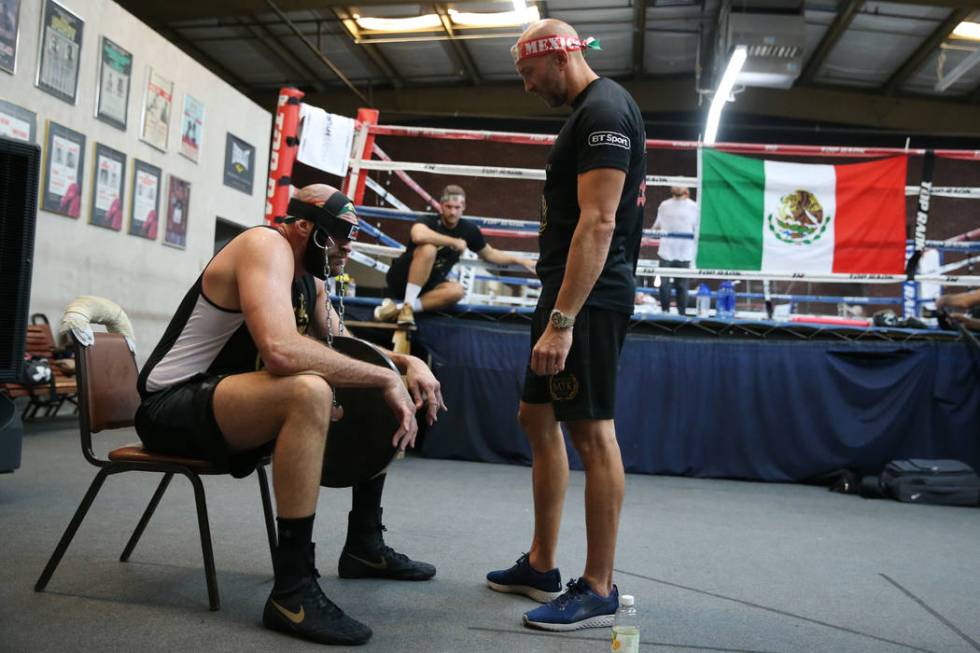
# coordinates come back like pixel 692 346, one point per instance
pixel 416 305
pixel 412 292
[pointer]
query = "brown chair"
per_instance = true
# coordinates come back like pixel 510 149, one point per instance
pixel 108 400
pixel 50 396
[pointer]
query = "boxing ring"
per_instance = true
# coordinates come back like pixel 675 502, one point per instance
pixel 751 397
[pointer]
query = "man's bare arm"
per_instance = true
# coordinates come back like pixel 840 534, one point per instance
pixel 492 255
pixel 422 235
pixel 599 191
pixel 263 272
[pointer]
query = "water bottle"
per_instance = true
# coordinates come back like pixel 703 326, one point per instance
pixel 703 300
pixel 725 302
pixel 625 633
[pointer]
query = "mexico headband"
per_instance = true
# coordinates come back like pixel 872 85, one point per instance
pixel 553 43
pixel 326 217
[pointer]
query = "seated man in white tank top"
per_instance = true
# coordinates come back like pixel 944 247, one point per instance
pixel 235 376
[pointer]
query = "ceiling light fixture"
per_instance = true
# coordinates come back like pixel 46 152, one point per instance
pixel 425 22
pixel 514 18
pixel 723 93
pixel 967 30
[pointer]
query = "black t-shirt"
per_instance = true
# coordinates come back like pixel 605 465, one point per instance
pixel 605 130
pixel 446 257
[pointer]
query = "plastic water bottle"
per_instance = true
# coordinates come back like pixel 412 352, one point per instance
pixel 725 302
pixel 625 633
pixel 703 300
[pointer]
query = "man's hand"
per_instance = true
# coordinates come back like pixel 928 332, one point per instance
pixel 401 405
pixel 550 351
pixel 424 388
pixel 459 245
pixel 528 265
pixel 967 321
pixel 957 300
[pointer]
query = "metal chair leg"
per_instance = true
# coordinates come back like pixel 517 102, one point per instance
pixel 205 530
pixel 270 525
pixel 73 525
pixel 145 519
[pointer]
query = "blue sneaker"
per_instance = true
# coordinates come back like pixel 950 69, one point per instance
pixel 522 578
pixel 579 607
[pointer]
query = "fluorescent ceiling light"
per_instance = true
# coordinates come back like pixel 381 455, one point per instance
pixel 967 30
pixel 399 25
pixel 722 94
pixel 496 19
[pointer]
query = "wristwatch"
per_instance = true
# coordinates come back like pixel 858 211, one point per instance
pixel 561 321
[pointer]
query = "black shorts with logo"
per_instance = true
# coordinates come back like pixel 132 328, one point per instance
pixel 179 421
pixel 397 278
pixel 586 388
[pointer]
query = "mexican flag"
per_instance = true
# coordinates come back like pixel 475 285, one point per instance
pixel 795 217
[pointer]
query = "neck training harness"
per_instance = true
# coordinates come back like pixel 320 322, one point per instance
pixel 552 43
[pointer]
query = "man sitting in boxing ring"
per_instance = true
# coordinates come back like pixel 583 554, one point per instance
pixel 235 376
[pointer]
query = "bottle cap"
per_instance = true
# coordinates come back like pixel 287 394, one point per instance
pixel 626 600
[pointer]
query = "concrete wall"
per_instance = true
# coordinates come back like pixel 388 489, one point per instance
pixel 73 257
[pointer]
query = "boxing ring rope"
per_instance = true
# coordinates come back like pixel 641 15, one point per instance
pixel 502 227
pixel 285 141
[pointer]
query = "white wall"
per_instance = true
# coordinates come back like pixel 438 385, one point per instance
pixel 73 257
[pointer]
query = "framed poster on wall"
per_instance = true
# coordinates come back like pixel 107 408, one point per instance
pixel 107 187
pixel 64 156
pixel 239 164
pixel 158 100
pixel 112 91
pixel 145 205
pixel 191 128
pixel 17 123
pixel 60 52
pixel 9 29
pixel 178 210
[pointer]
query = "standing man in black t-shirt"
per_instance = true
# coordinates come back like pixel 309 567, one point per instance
pixel 418 276
pixel 591 225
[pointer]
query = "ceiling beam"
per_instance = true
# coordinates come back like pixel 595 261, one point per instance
pixel 925 50
pixel 204 59
pixel 156 12
pixel 316 51
pixel 658 95
pixel 639 36
pixel 274 44
pixel 845 14
pixel 372 52
pixel 459 48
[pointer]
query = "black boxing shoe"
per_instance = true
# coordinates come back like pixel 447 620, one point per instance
pixel 308 613
pixel 366 555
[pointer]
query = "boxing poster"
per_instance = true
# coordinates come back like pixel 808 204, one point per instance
pixel 239 164
pixel 60 52
pixel 112 92
pixel 9 24
pixel 178 207
pixel 145 205
pixel 157 109
pixel 107 188
pixel 63 157
pixel 17 123
pixel 191 128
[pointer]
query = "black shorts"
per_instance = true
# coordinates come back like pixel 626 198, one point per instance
pixel 586 388
pixel 180 421
pixel 397 278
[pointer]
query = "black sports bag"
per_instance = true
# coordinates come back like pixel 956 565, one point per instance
pixel 938 482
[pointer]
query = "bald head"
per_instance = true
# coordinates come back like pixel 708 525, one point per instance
pixel 316 193
pixel 549 58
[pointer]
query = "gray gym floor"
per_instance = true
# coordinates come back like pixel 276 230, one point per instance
pixel 714 565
